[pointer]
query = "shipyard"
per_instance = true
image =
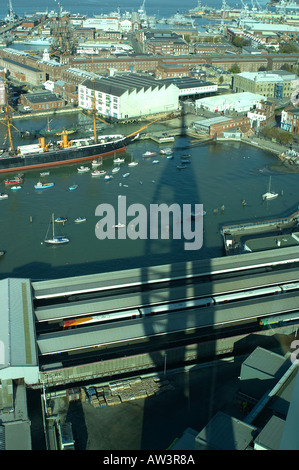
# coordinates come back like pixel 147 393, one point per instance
pixel 117 340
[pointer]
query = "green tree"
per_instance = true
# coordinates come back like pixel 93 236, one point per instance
pixel 235 69
pixel 287 48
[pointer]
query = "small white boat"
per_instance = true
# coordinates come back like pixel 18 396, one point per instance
pixel 118 160
pixel 72 188
pixel 119 225
pixel 3 196
pixel 44 173
pixel 83 169
pixel 96 163
pixel 155 161
pixel 15 188
pixel 269 194
pixel 197 214
pixel 108 177
pixel 78 220
pixel 116 169
pixel 133 163
pixel 98 172
pixel 126 175
pixel 166 151
pixel 149 154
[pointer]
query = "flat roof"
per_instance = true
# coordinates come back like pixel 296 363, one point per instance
pixel 224 432
pixel 17 333
pixel 186 82
pixel 42 97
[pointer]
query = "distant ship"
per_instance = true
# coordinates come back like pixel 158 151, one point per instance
pixel 39 41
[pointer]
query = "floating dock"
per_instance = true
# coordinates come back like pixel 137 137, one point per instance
pixel 240 238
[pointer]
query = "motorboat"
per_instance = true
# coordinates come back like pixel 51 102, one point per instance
pixel 3 196
pixel 197 214
pixel 61 220
pixel 155 161
pixel 118 160
pixel 83 169
pixel 41 185
pixel 96 163
pixel 166 151
pixel 108 177
pixel 126 175
pixel 181 167
pixel 98 172
pixel 116 169
pixel 13 181
pixel 44 173
pixel 15 188
pixel 149 154
pixel 133 163
pixel 78 220
pixel 72 188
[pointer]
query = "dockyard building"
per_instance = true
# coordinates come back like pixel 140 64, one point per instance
pixel 239 102
pixel 277 84
pixel 42 101
pixel 219 125
pixel 23 73
pixel 128 96
pixel 192 87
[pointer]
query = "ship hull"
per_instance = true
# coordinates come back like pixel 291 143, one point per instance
pixel 60 157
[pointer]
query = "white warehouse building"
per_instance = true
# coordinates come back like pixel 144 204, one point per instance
pixel 240 102
pixel 128 96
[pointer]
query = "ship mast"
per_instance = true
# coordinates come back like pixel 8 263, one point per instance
pixel 7 115
pixel 94 108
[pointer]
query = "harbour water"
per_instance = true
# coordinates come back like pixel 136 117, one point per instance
pixel 221 174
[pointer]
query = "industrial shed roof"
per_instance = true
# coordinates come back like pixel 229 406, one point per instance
pixel 225 432
pixel 119 84
pixel 17 334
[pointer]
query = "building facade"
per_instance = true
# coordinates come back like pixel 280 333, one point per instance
pixel 290 120
pixel 277 84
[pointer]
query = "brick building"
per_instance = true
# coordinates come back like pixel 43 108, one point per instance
pixel 84 34
pixel 290 120
pixel 42 101
pixel 262 114
pixel 24 73
pixel 172 70
pixel 215 127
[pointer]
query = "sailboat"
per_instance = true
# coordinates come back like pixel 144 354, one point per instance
pixel 269 194
pixel 55 240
